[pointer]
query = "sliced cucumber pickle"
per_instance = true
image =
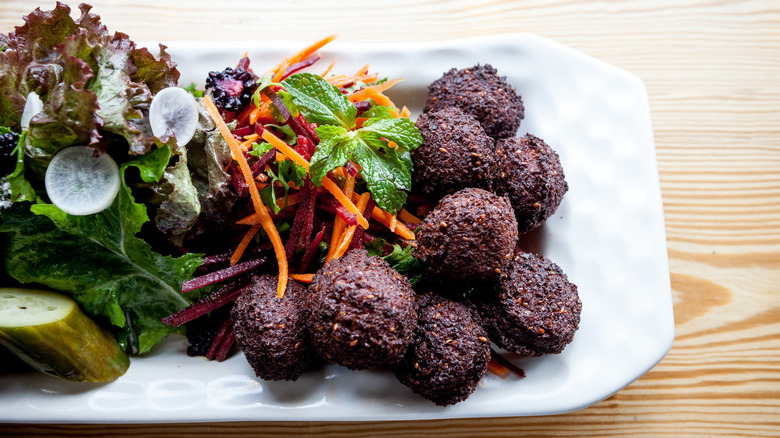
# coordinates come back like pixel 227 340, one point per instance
pixel 49 331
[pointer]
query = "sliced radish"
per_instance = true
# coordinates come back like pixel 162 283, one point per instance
pixel 79 183
pixel 32 107
pixel 174 109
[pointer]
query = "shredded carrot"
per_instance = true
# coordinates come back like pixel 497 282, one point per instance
pixel 254 219
pixel 300 56
pixel 381 99
pixel 347 236
pixel 334 190
pixel 405 112
pixel 339 224
pixel 363 70
pixel 303 54
pixel 342 80
pixel 303 278
pixel 285 149
pixel 393 222
pixel 365 93
pixel 408 217
pixel 330 67
pixel 246 144
pixel 244 243
pixel 260 209
pixel 497 369
pixel 326 182
pixel 385 219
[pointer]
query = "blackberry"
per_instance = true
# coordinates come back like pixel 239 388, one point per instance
pixel 202 331
pixel 233 88
pixel 7 160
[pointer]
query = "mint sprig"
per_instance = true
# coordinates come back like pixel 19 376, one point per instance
pixel 386 170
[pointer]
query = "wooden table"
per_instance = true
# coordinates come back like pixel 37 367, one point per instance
pixel 712 70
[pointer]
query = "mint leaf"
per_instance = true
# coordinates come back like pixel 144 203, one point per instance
pixel 378 131
pixel 385 173
pixel 386 176
pixel 328 155
pixel 319 101
pixel 377 111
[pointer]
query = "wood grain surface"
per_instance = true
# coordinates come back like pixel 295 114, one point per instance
pixel 712 70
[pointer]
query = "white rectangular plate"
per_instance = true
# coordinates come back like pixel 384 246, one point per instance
pixel 607 235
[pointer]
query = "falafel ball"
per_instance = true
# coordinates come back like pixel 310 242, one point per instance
pixel 362 311
pixel 467 239
pixel 271 331
pixel 535 311
pixel 450 352
pixel 529 173
pixel 455 153
pixel 479 91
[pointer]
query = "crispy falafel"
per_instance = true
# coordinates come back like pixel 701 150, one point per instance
pixel 529 173
pixel 456 153
pixel 479 91
pixel 362 311
pixel 271 331
pixel 467 239
pixel 535 309
pixel 450 352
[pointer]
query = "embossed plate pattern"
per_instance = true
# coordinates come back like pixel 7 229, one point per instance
pixel 608 236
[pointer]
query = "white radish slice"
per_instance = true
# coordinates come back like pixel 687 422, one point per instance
pixel 174 109
pixel 79 183
pixel 32 107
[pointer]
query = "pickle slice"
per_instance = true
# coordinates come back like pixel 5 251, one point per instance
pixel 49 331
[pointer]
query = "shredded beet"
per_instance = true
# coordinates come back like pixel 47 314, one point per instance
pixel 358 239
pixel 311 250
pixel 259 165
pixel 303 220
pixel 226 294
pixel 222 275
pixel 243 131
pixel 494 356
pixel 351 169
pixel 222 335
pixel 225 256
pixel 238 181
pixel 227 343
pixel 331 206
pixel 308 220
pixel 362 106
pixel 311 128
pixel 305 147
pixel 300 65
pixel 216 258
pixel 285 112
pixel 244 63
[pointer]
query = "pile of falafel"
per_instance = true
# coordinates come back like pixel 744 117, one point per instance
pixel 479 288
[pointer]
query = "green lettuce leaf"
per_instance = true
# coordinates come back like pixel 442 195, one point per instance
pixel 89 81
pixel 180 210
pixel 99 260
